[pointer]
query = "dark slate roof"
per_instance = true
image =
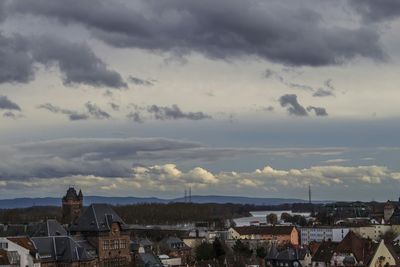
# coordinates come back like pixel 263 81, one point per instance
pixel 264 230
pixel 288 254
pixel 96 218
pixel 60 249
pixel 47 228
pixel 86 245
pixel 150 260
pixel 13 230
pixel 144 242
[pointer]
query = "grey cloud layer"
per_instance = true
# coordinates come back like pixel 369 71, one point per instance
pixel 223 29
pixel 115 157
pixel 376 11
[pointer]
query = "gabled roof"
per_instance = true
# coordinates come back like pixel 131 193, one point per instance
pixel 96 218
pixel 325 252
pixel 264 230
pixel 60 249
pixel 361 248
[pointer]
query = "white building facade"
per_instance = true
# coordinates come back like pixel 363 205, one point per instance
pixel 319 234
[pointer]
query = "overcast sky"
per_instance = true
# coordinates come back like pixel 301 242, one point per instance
pixel 229 97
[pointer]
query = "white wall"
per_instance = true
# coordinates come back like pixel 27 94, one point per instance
pixel 26 258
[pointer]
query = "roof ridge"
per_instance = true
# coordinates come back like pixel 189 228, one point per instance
pixel 95 217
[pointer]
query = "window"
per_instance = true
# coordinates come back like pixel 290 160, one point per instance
pixel 3 245
pixel 114 244
pixel 122 243
pixel 106 244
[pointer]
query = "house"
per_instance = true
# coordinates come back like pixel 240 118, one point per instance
pixel 388 210
pixel 236 261
pixel 176 248
pixel 383 255
pixel 280 234
pixel 170 262
pixel 288 257
pixel 143 255
pixel 354 250
pixel 62 251
pixel 148 259
pixel 374 231
pixel 20 251
pixel 322 233
pixel 104 230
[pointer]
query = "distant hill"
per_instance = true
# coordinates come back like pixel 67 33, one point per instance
pixel 50 201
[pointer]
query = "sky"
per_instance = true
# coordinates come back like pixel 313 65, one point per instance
pixel 229 97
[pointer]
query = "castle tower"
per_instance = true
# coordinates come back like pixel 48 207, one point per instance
pixel 72 205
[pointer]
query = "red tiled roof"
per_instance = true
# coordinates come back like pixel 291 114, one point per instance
pixel 24 242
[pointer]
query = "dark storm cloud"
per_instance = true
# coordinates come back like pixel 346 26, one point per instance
pixel 16 64
pixel 72 115
pixel 319 111
pixel 139 81
pixel 76 62
pixel 376 11
pixel 174 113
pixel 289 101
pixel 2 12
pixel 6 103
pixel 219 30
pixel 96 112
